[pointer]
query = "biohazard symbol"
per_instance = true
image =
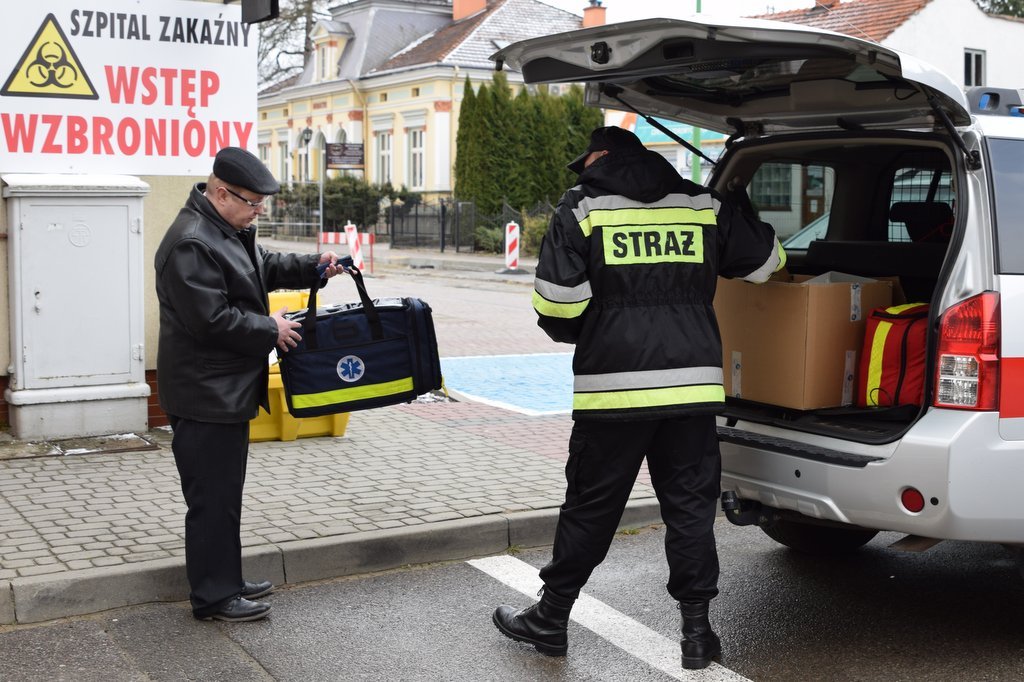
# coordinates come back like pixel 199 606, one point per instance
pixel 49 68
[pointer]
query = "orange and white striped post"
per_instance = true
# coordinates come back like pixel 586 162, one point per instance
pixel 512 246
pixel 354 245
pixel 511 250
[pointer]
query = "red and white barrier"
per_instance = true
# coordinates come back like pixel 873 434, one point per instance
pixel 512 246
pixel 333 238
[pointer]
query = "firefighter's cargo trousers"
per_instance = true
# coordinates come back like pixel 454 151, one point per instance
pixel 604 460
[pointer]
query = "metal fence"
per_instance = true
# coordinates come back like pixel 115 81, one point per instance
pixel 440 223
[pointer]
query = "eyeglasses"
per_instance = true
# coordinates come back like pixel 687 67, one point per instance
pixel 252 204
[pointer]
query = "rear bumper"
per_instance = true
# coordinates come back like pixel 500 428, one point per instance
pixel 969 476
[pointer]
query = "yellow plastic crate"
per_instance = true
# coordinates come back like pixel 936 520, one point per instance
pixel 281 425
pixel 295 300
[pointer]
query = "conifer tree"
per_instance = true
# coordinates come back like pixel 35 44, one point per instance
pixel 500 145
pixel 523 153
pixel 465 146
pixel 547 141
pixel 483 187
pixel 516 150
pixel 1013 8
pixel 580 120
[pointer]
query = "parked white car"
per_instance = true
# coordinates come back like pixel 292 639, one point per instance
pixel 821 122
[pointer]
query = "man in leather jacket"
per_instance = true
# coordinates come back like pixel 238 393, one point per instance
pixel 216 332
pixel 627 273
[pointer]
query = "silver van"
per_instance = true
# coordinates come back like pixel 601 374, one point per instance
pixel 916 180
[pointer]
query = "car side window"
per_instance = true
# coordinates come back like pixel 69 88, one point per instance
pixel 1007 184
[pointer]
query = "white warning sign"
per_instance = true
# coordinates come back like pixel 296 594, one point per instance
pixel 152 88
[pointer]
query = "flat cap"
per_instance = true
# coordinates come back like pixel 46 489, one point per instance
pixel 239 167
pixel 608 138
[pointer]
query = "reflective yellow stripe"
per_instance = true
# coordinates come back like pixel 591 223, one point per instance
pixel 782 255
pixel 650 397
pixel 601 217
pixel 874 380
pixel 632 244
pixel 341 395
pixel 563 310
pixel 897 309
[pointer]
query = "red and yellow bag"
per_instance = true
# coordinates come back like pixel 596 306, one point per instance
pixel 892 362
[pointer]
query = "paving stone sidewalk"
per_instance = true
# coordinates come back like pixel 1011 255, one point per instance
pixel 433 480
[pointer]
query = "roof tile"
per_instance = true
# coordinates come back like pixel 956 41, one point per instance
pixel 871 20
pixel 471 41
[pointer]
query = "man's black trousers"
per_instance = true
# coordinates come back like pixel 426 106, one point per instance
pixel 604 460
pixel 211 461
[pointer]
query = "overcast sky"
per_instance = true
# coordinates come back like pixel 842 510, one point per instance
pixel 627 10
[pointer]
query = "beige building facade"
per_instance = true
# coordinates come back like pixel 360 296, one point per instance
pixel 389 75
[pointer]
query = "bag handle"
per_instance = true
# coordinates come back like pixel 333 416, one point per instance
pixel 309 321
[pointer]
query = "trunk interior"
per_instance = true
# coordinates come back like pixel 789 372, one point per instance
pixel 870 205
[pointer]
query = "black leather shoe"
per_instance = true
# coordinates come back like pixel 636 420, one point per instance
pixel 239 610
pixel 256 590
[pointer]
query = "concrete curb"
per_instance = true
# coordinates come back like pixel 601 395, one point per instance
pixel 6 603
pixel 73 593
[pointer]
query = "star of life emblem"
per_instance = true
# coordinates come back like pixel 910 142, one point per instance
pixel 351 368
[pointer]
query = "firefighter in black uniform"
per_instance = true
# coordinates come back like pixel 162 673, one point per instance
pixel 627 272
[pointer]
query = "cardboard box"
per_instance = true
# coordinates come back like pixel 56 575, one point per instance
pixel 795 342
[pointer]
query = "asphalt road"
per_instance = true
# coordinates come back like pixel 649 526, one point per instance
pixel 951 613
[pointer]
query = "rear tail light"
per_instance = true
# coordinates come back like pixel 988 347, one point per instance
pixel 967 375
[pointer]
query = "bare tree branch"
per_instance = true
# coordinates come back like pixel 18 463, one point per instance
pixel 284 42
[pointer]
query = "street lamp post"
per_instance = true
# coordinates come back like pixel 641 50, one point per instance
pixel 307 137
pixel 696 174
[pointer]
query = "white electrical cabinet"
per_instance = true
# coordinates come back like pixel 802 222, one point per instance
pixel 76 305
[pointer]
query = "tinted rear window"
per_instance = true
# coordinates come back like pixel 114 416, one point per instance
pixel 1008 187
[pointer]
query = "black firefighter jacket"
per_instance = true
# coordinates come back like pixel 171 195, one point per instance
pixel 215 332
pixel 627 271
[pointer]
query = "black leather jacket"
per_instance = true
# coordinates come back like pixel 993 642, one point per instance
pixel 215 330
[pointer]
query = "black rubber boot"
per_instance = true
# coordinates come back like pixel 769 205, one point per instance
pixel 543 625
pixel 700 644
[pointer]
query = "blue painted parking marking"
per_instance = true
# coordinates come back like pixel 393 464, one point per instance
pixel 532 384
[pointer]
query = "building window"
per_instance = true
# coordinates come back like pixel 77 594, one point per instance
pixel 974 67
pixel 771 187
pixel 383 97
pixel 264 148
pixel 414 163
pixel 282 155
pixel 415 92
pixel 383 143
pixel 323 58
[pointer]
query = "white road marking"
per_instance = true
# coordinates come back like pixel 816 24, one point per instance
pixel 634 638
